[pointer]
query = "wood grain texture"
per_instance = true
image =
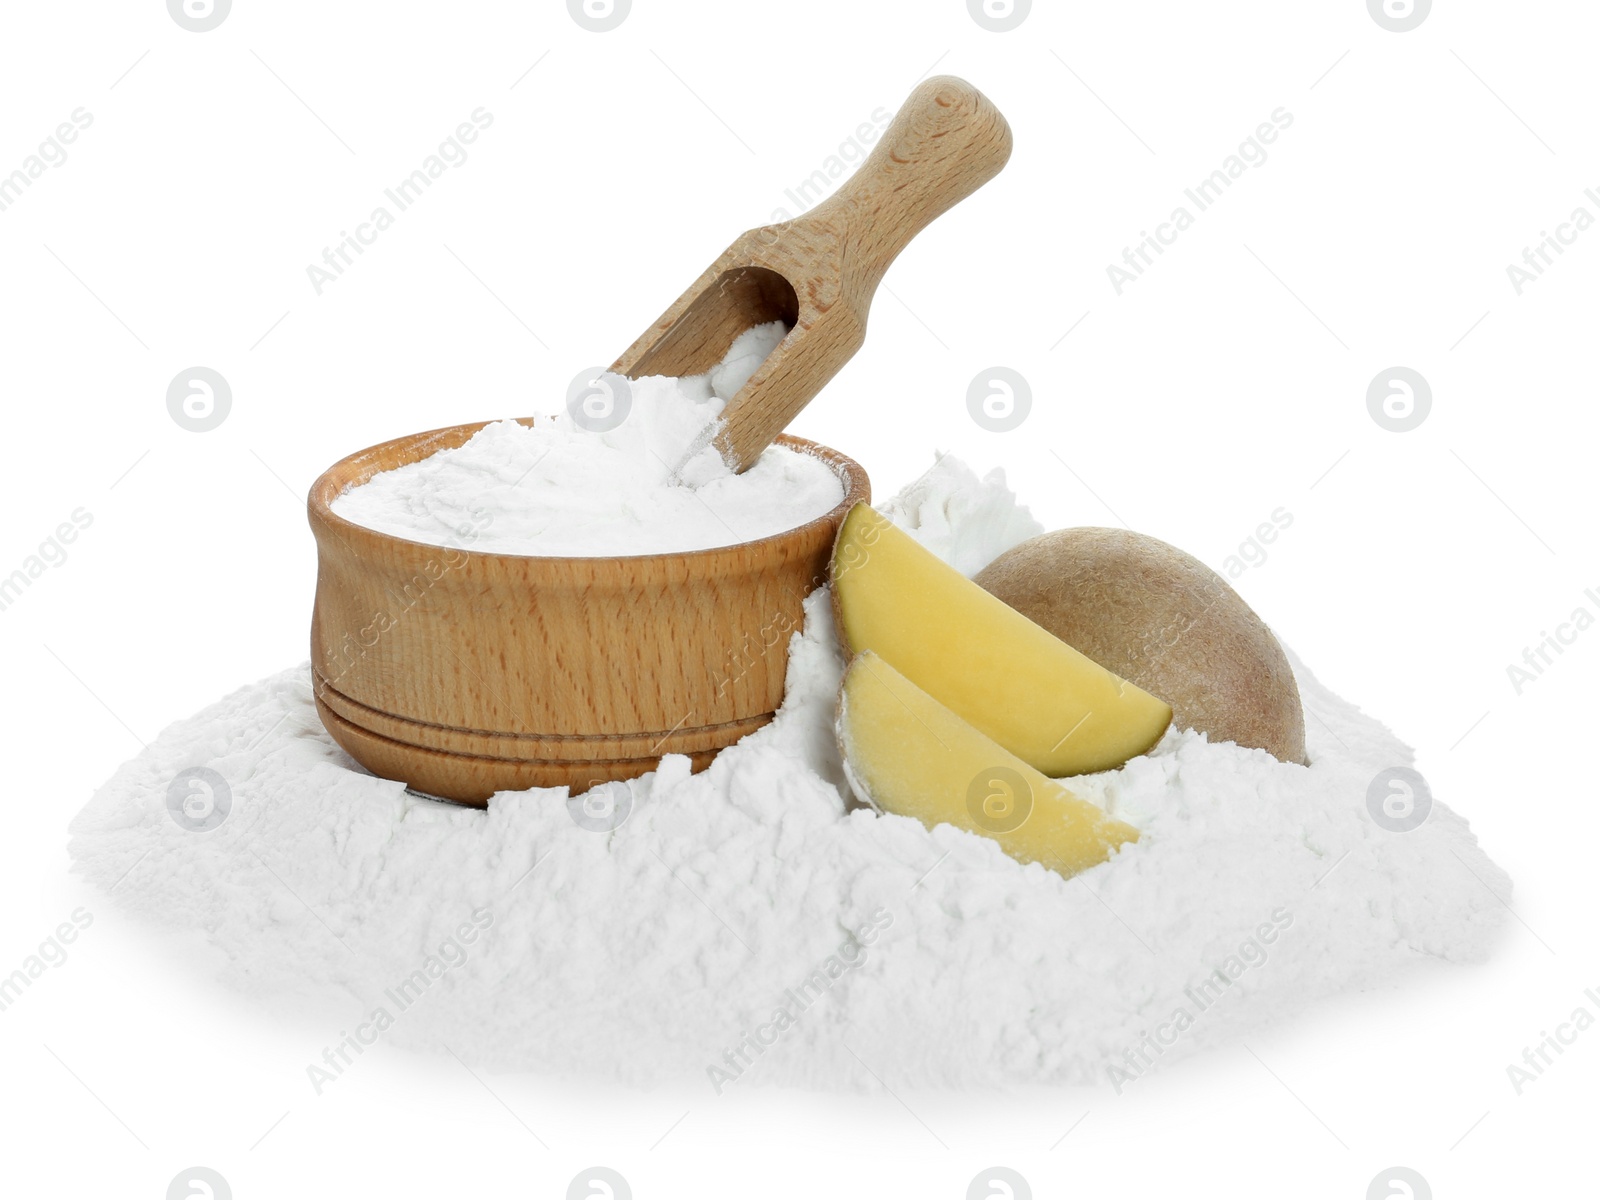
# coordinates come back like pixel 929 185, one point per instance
pixel 819 272
pixel 464 673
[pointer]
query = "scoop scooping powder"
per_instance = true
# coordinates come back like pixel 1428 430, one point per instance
pixel 739 926
pixel 580 484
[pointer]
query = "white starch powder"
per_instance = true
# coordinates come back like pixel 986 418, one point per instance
pixel 601 482
pixel 733 927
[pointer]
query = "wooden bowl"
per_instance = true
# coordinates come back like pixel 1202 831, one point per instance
pixel 465 673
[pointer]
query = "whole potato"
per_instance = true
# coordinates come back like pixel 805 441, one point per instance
pixel 1163 620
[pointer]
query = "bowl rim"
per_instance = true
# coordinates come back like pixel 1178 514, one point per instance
pixel 319 510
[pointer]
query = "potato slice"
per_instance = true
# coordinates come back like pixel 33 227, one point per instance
pixel 1058 711
pixel 905 753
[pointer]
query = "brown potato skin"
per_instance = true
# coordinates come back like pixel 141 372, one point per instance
pixel 1164 620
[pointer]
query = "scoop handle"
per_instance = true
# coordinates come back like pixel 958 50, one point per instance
pixel 946 142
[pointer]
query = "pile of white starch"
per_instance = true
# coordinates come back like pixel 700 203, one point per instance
pixel 735 923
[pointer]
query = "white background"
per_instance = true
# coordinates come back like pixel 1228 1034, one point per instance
pixel 1229 381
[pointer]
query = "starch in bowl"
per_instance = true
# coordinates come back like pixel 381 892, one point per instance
pixel 604 482
pixel 542 603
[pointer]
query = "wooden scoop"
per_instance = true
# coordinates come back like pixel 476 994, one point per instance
pixel 818 272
